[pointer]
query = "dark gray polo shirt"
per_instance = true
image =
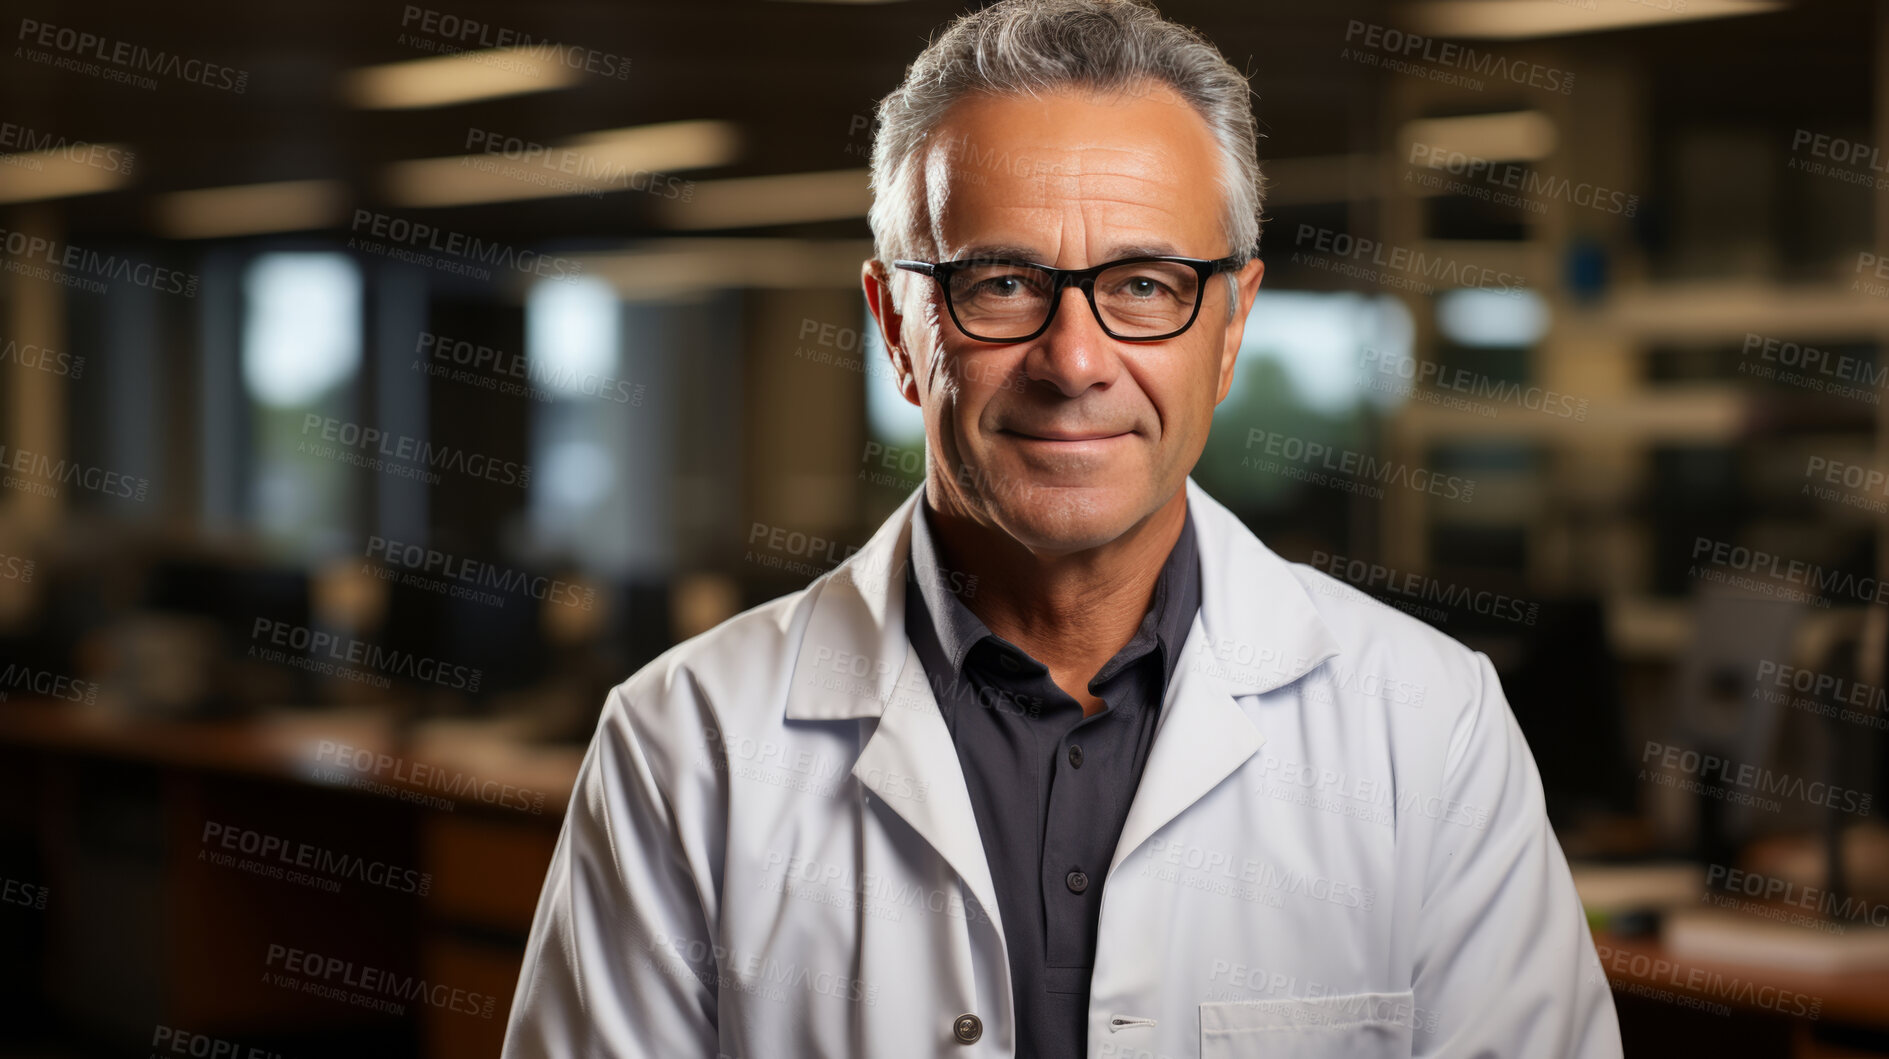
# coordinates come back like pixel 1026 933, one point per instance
pixel 1050 788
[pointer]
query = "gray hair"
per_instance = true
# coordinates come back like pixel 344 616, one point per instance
pixel 1018 47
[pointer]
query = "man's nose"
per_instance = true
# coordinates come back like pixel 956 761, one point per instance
pixel 1074 353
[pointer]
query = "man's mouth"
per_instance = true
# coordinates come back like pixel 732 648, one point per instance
pixel 1068 435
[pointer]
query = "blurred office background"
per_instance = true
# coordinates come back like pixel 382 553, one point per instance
pixel 380 383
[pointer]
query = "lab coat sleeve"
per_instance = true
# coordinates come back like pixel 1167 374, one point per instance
pixel 621 959
pixel 1505 965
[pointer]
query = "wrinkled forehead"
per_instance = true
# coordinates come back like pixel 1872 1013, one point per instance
pixel 1072 177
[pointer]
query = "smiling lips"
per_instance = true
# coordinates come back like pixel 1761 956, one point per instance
pixel 1068 435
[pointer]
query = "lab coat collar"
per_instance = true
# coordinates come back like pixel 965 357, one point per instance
pixel 1256 630
pixel 1260 629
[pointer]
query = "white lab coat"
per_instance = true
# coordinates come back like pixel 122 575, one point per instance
pixel 1338 848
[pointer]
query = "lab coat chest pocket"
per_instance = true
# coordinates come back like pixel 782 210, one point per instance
pixel 1352 1026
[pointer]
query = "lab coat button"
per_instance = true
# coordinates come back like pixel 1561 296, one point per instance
pixel 968 1029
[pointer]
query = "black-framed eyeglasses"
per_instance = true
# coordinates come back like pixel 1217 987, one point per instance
pixel 1135 299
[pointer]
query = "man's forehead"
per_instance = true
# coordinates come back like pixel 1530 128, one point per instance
pixel 1100 216
pixel 1008 176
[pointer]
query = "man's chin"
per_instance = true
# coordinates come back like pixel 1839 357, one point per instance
pixel 1067 517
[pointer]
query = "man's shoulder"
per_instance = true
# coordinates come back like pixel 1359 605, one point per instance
pixel 1351 610
pixel 1384 645
pixel 1368 635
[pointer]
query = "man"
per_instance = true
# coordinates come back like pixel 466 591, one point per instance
pixel 1064 762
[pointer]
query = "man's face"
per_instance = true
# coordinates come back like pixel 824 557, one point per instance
pixel 1070 439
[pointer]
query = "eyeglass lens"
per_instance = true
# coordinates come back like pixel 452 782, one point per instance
pixel 999 301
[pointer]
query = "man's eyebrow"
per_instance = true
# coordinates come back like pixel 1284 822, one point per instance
pixel 1025 253
pixel 984 251
pixel 1141 250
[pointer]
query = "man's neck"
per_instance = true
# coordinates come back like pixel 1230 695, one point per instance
pixel 1072 612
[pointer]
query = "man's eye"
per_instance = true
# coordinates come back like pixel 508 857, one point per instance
pixel 1008 286
pixel 1143 287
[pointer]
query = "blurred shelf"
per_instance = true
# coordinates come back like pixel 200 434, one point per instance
pixel 1730 309
pixel 1528 264
pixel 1691 413
pixel 1647 627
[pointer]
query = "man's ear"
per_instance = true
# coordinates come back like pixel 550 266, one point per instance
pixel 1247 279
pixel 885 315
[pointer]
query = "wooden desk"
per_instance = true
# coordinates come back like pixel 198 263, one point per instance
pixel 142 930
pixel 1860 998
pixel 1772 1010
pixel 294 745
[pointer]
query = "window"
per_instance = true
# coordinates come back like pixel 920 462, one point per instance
pixel 573 344
pixel 301 356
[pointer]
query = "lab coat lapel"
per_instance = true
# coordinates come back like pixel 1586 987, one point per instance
pixel 1257 630
pixel 855 661
pixel 912 743
pixel 1202 736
